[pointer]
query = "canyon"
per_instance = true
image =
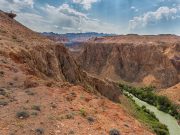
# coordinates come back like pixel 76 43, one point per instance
pixel 48 88
pixel 44 91
pixel 141 60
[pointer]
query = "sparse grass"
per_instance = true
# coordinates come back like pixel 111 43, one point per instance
pixel 2 31
pixel 89 88
pixel 66 116
pixel 14 37
pixel 36 107
pixel 83 112
pixel 51 117
pixel 30 92
pixel 82 97
pixel 69 116
pixel 19 124
pixel 22 114
pixel 34 113
pixel 71 132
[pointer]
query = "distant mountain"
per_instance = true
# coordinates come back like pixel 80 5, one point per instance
pixel 74 37
pixel 56 37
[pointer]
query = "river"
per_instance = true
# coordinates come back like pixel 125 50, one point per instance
pixel 164 118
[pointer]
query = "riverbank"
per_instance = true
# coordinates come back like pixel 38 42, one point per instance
pixel 148 95
pixel 157 110
pixel 146 118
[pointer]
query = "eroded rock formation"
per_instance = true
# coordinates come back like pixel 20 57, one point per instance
pixel 150 63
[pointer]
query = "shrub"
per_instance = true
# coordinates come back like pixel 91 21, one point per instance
pixel 159 131
pixel 90 119
pixel 22 114
pixel 39 131
pixel 143 107
pixel 3 92
pixel 69 116
pixel 1 73
pixel 114 132
pixel 83 112
pixel 3 103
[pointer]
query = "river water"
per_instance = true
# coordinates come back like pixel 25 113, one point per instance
pixel 164 118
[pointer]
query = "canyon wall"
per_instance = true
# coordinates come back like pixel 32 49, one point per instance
pixel 148 63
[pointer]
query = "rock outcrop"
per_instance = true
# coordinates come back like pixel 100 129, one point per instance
pixel 142 62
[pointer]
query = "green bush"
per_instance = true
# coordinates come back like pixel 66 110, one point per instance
pixel 22 114
pixel 159 131
pixel 39 131
pixel 3 103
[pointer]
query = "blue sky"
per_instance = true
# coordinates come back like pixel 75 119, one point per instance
pixel 108 16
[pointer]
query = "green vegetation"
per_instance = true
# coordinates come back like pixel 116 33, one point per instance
pixel 90 119
pixel 146 117
pixel 147 94
pixel 83 112
pixel 114 132
pixel 39 131
pixel 3 102
pixel 22 114
pixel 4 92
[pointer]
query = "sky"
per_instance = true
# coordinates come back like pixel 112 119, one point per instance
pixel 106 16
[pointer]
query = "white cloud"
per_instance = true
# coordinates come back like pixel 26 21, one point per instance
pixel 15 5
pixel 154 17
pixel 61 19
pixel 66 19
pixel 86 3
